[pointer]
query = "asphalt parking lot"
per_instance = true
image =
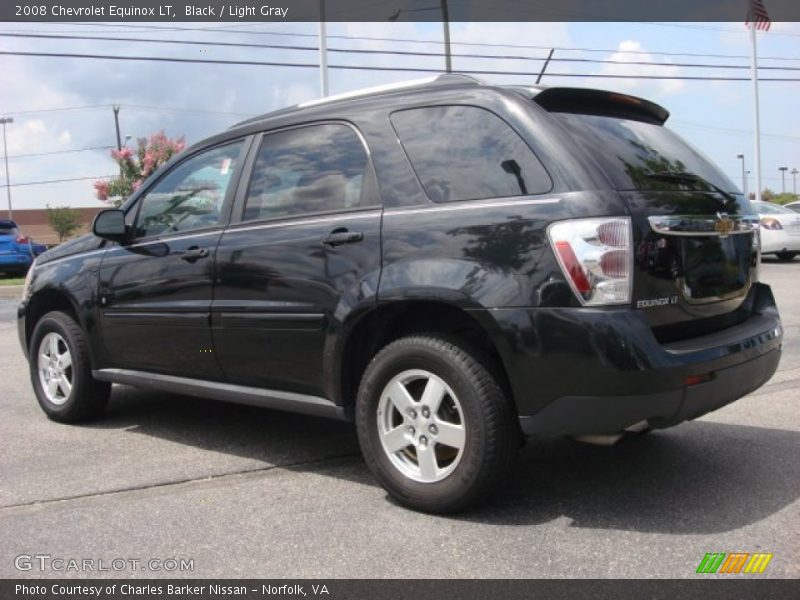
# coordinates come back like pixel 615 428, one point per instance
pixel 247 492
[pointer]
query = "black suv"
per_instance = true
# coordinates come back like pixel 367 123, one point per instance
pixel 453 265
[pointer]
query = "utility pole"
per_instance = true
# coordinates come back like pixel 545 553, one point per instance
pixel 794 182
pixel 323 51
pixel 5 120
pixel 756 120
pixel 448 62
pixel 744 178
pixel 116 123
pixel 783 178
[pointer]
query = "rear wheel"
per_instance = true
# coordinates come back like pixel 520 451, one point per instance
pixel 785 256
pixel 61 373
pixel 435 427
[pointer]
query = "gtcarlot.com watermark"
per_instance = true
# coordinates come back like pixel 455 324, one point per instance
pixel 67 564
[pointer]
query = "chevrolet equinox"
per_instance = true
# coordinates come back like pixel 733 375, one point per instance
pixel 455 266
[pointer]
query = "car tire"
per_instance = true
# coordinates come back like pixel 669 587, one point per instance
pixel 61 373
pixel 785 256
pixel 412 448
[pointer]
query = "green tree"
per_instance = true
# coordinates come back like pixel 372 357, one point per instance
pixel 63 220
pixel 784 198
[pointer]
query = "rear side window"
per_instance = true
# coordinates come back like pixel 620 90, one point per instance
pixel 633 153
pixel 468 153
pixel 319 168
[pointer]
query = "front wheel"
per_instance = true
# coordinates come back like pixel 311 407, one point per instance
pixel 61 373
pixel 434 425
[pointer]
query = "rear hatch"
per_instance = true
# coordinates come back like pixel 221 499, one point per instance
pixel 695 235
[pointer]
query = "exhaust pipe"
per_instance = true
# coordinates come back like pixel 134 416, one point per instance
pixel 609 439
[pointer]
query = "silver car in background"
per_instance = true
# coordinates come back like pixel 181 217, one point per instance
pixel 780 230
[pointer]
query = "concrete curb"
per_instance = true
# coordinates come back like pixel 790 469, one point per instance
pixel 10 292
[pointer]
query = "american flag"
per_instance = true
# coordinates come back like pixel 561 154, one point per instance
pixel 757 16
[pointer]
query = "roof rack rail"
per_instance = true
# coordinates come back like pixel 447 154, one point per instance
pixel 444 79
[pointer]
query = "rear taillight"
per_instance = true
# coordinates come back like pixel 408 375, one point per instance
pixel 596 255
pixel 21 239
pixel 770 223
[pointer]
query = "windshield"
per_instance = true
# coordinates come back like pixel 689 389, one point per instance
pixel 8 230
pixel 765 208
pixel 635 155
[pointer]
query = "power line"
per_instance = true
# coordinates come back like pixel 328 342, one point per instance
pixel 379 68
pixel 59 152
pixel 49 181
pixel 383 52
pixel 394 39
pixel 68 108
pixel 733 131
pixel 134 106
pixel 186 110
pixel 508 9
pixel 176 109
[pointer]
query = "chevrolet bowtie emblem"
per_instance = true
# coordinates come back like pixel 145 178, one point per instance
pixel 723 225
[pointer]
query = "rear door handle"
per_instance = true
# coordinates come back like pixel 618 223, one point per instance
pixel 194 253
pixel 338 237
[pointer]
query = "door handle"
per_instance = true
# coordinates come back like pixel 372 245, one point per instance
pixel 194 253
pixel 341 236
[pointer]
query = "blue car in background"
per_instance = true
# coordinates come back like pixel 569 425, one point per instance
pixel 16 251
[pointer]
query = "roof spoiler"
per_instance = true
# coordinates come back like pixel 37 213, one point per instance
pixel 601 103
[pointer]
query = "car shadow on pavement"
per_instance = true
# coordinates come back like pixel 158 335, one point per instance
pixel 700 477
pixel 268 436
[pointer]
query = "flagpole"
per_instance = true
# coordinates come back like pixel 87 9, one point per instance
pixel 756 120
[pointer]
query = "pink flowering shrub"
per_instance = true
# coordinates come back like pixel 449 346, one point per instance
pixel 137 165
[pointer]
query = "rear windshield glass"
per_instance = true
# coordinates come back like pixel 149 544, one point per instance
pixel 633 154
pixel 7 230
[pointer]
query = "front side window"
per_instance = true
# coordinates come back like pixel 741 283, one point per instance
pixel 468 153
pixel 319 168
pixel 191 195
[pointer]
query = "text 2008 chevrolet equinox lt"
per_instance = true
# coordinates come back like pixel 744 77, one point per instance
pixel 453 265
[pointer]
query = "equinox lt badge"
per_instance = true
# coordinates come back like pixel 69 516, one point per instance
pixel 656 302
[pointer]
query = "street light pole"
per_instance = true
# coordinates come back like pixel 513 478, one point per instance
pixel 783 178
pixel 744 179
pixel 5 120
pixel 794 182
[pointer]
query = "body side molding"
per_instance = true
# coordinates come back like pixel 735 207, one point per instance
pixel 239 394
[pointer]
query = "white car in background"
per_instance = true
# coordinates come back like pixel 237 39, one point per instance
pixel 780 230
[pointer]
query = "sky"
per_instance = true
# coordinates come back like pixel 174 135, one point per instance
pixel 196 100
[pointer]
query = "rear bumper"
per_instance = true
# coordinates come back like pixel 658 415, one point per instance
pixel 15 262
pixel 583 371
pixel 579 415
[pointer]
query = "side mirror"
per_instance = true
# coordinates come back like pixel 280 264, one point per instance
pixel 110 225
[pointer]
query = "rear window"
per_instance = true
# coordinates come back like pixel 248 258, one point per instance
pixel 630 152
pixel 7 230
pixel 765 208
pixel 468 153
